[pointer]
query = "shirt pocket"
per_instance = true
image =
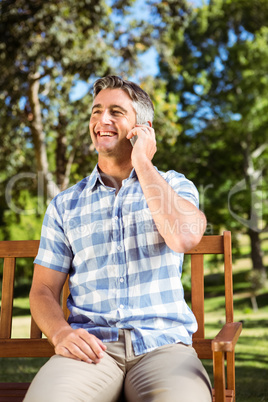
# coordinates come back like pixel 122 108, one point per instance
pixel 140 230
pixel 152 242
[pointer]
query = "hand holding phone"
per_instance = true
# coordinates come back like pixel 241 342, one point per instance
pixel 134 139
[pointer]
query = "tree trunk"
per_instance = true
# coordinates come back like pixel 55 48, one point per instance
pixel 38 135
pixel 63 160
pixel 61 149
pixel 253 179
pixel 254 303
pixel 256 252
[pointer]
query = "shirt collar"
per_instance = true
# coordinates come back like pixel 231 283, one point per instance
pixel 133 174
pixel 95 177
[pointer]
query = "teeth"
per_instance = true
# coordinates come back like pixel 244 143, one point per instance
pixel 106 134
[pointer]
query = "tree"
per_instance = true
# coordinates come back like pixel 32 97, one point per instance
pixel 216 64
pixel 46 49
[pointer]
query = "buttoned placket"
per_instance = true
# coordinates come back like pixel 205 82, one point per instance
pixel 119 250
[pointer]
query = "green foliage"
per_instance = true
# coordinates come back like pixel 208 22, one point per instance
pixel 47 48
pixel 210 99
pixel 217 67
pixel 21 225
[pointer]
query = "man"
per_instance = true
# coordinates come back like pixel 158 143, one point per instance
pixel 120 234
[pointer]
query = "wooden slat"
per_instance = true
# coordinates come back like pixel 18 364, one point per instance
pixel 14 385
pixel 219 376
pixel 229 395
pixel 228 277
pixel 25 348
pixel 197 293
pixel 19 248
pixel 227 338
pixel 13 392
pixel 208 245
pixel 12 398
pixel 65 294
pixel 35 333
pixel 230 372
pixel 203 348
pixel 7 297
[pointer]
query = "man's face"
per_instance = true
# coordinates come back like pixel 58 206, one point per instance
pixel 113 116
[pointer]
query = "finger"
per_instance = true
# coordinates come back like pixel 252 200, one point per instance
pixel 132 133
pixel 101 344
pixel 92 345
pixel 80 351
pixel 85 353
pixel 82 345
pixel 143 127
pixel 72 352
pixel 140 131
pixel 147 130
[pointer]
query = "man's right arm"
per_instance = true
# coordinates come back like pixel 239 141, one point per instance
pixel 46 310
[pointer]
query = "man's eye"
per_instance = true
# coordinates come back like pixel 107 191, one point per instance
pixel 96 112
pixel 118 112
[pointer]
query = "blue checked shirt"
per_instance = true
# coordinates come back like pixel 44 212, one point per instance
pixel 122 274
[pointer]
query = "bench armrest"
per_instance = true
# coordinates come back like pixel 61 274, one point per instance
pixel 227 338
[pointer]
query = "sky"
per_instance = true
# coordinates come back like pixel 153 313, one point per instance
pixel 148 60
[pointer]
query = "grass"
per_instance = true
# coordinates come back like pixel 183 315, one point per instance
pixel 251 350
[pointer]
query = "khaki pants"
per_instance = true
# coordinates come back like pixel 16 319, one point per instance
pixel 171 373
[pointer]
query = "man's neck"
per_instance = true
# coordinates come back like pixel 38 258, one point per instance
pixel 113 173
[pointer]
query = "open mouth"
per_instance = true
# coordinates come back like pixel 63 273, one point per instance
pixel 106 133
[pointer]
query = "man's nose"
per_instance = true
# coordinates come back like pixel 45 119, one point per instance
pixel 105 117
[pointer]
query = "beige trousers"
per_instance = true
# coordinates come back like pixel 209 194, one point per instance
pixel 171 373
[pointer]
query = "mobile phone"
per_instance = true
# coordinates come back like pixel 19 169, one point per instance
pixel 134 139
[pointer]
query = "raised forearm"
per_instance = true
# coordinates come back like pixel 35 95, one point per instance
pixel 178 221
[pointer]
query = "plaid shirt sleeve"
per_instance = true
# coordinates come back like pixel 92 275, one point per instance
pixel 54 250
pixel 182 186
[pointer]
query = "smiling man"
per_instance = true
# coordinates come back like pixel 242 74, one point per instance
pixel 120 235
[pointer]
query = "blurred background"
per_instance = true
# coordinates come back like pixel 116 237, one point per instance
pixel 205 66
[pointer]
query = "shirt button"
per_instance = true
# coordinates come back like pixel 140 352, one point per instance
pixel 121 280
pixel 121 306
pixel 119 248
pixel 116 218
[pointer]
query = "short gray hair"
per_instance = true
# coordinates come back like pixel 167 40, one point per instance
pixel 142 103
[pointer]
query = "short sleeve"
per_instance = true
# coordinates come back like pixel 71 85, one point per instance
pixel 54 250
pixel 183 187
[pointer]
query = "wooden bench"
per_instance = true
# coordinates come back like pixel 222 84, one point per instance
pixel 221 349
